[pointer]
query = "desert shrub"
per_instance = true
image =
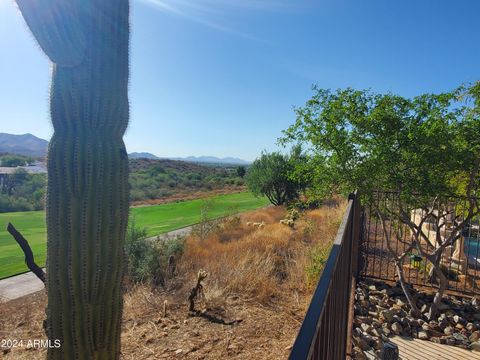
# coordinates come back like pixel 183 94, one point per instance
pixel 318 257
pixel 239 182
pixel 308 230
pixel 206 225
pixel 150 260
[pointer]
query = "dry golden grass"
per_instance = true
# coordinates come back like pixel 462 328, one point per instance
pixel 256 275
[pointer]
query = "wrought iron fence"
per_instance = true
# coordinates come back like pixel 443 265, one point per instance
pixel 414 233
pixel 324 333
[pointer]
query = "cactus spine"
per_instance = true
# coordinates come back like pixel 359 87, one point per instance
pixel 87 191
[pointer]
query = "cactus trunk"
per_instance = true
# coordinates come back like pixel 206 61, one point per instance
pixel 87 191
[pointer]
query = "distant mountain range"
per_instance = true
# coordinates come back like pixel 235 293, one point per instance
pixel 30 145
pixel 142 155
pixel 213 160
pixel 193 159
pixel 26 144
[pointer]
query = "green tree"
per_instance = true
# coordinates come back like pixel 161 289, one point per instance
pixel 87 187
pixel 367 141
pixel 241 171
pixel 271 175
pixel 423 148
pixel 11 160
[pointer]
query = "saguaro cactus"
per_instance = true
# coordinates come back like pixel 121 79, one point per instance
pixel 87 191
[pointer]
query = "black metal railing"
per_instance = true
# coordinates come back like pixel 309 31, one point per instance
pixel 386 236
pixel 325 331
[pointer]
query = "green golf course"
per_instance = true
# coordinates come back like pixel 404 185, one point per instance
pixel 156 219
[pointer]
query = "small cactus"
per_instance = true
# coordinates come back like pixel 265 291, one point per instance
pixel 87 191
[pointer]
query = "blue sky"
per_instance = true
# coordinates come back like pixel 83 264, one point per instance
pixel 221 77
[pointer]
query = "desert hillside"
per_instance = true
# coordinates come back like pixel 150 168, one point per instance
pixel 260 277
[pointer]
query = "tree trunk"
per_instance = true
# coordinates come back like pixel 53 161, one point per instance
pixel 443 282
pixel 435 263
pixel 410 300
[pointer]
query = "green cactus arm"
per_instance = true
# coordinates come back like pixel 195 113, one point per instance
pixel 56 25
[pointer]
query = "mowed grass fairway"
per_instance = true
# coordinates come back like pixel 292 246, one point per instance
pixel 156 219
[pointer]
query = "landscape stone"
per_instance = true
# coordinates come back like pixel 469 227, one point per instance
pixel 358 353
pixel 475 336
pixel 422 335
pixel 450 341
pixel 442 306
pixel 361 343
pixel 396 328
pixel 475 346
pixel 366 328
pixel 459 337
pixel 448 330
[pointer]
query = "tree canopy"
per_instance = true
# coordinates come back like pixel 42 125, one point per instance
pixel 357 139
pixel 271 175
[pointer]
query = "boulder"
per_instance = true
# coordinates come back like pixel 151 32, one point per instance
pixel 423 335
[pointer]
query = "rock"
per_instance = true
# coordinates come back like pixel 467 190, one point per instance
pixel 400 302
pixel 424 308
pixel 378 345
pixel 459 337
pixel 475 346
pixel 443 324
pixel 422 335
pixel 450 340
pixel 475 302
pixel 459 326
pixel 448 330
pixel 426 327
pixel 471 327
pixel 357 332
pixel 358 354
pixel 413 322
pixel 389 351
pixel 475 336
pixel 458 319
pixel 372 288
pixel 397 328
pixel 435 333
pixel 366 328
pixel 442 306
pixel 179 351
pixel 361 343
pixel 377 332
pixel 369 339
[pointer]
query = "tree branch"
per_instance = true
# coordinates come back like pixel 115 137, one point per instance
pixel 29 260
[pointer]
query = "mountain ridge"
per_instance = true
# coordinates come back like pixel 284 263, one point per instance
pixel 24 144
pixel 31 145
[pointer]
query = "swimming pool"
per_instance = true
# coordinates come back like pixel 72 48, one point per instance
pixel 472 246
